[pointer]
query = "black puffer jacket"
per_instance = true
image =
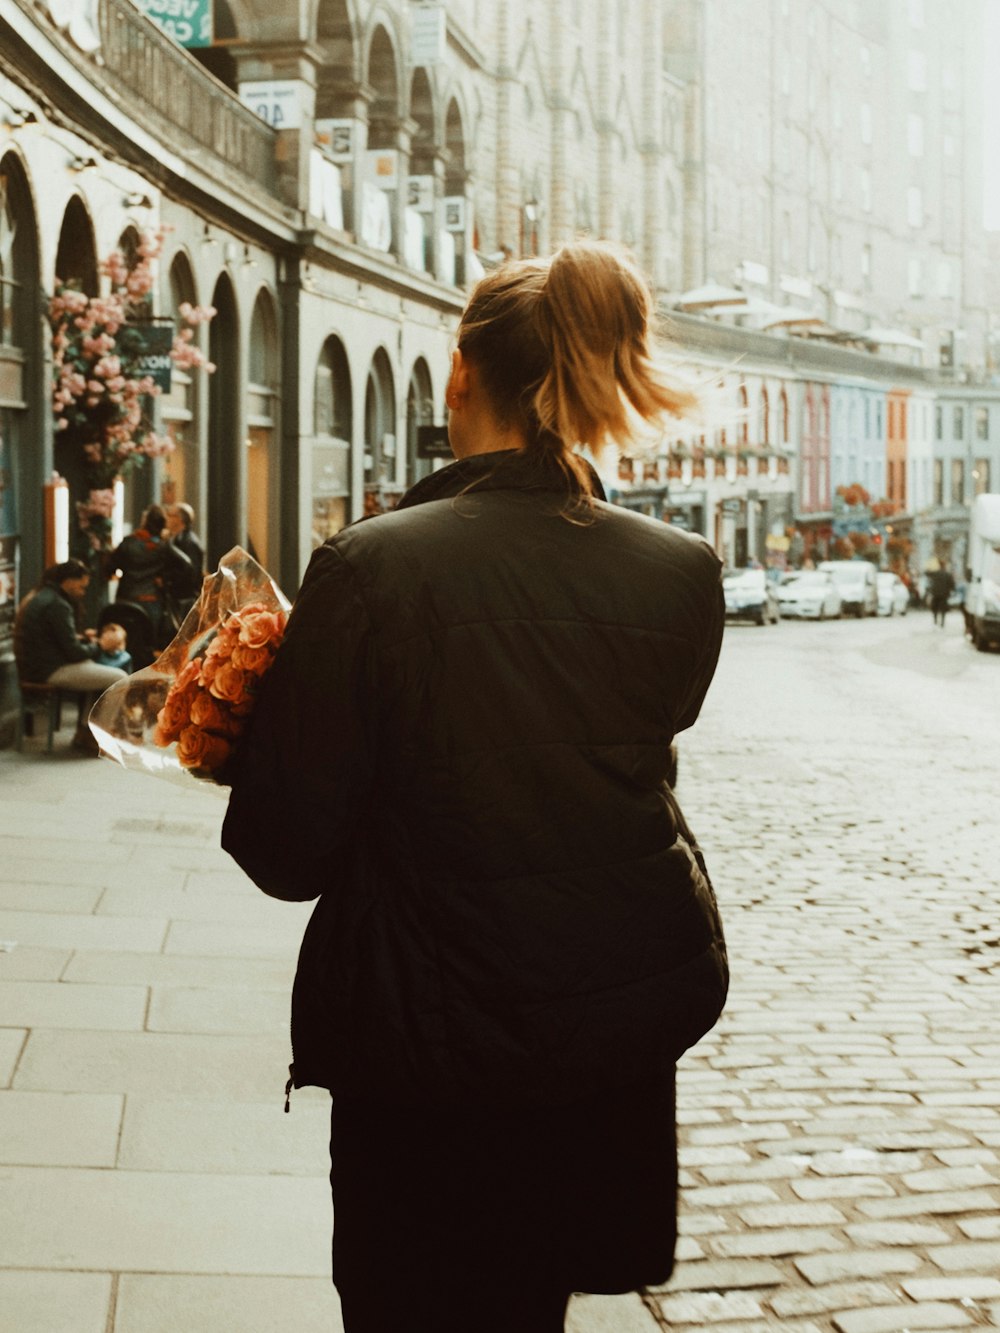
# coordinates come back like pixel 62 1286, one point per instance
pixel 462 746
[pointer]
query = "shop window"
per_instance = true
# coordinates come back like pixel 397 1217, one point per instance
pixel 332 429
pixel 982 423
pixel 939 481
pixel 958 423
pixel 262 462
pixel 958 481
pixel 981 476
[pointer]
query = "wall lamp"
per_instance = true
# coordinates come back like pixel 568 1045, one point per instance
pixel 137 200
pixel 19 117
pixel 82 164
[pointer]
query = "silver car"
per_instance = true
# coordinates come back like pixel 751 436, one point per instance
pixel 750 596
pixel 811 594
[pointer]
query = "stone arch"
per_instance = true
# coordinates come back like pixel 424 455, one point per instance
pixel 423 111
pixel 419 412
pixel 229 19
pixel 225 464
pixel 263 470
pixel 382 67
pixel 335 33
pixel 333 431
pixel 76 255
pixel 379 420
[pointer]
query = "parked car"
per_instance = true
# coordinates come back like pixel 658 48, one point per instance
pixel 856 581
pixel 811 594
pixel 749 596
pixel 893 595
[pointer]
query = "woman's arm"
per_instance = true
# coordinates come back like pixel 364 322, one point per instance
pixel 302 774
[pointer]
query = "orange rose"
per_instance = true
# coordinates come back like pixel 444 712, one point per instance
pixel 175 714
pixel 200 749
pixel 224 642
pixel 261 629
pixel 187 675
pixel 254 660
pixel 229 683
pixel 211 715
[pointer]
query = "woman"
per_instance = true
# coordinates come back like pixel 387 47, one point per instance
pixel 461 750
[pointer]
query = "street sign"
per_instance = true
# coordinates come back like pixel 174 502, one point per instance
pixel 188 22
pixel 428 34
pixel 277 101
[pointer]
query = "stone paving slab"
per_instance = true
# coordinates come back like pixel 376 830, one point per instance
pixel 239 1138
pixel 11 1045
pixel 159 970
pixel 169 1303
pixel 50 1004
pixel 191 1010
pixel 38 1302
pixel 75 931
pixel 159 1222
pixel 59 1128
pixel 24 963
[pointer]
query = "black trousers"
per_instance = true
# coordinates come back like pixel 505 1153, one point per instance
pixel 473 1222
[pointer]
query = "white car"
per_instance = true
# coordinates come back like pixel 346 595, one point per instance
pixel 749 596
pixel 893 595
pixel 856 581
pixel 811 594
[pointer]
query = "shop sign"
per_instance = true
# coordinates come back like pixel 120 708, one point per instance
pixel 151 345
pixel 428 34
pixel 731 506
pixel 383 167
pixel 420 193
pixel 276 101
pixel 432 442
pixel 8 592
pixel 454 212
pixel 188 22
pixel 336 138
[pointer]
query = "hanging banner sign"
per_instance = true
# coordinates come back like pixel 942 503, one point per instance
pixel 188 22
pixel 428 34
pixel 151 344
pixel 432 442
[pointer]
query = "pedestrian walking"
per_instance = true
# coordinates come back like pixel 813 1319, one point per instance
pixel 51 651
pixel 153 572
pixel 461 750
pixel 942 585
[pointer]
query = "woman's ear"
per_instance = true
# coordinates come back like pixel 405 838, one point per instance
pixel 458 380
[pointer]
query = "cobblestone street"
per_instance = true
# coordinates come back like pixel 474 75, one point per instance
pixel 840 1129
pixel 842 1126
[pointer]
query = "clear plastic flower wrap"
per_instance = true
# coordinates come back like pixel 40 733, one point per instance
pixel 182 717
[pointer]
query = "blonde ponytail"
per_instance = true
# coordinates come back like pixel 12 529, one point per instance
pixel 563 349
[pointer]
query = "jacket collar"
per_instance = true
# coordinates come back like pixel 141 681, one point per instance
pixel 504 469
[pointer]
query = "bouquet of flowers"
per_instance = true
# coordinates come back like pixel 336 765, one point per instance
pixel 182 717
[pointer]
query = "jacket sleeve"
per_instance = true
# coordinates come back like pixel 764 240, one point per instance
pixel 302 775
pixel 708 658
pixel 63 636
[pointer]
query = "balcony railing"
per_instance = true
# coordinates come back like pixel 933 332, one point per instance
pixel 150 68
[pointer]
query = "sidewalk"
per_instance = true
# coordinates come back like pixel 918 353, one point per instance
pixel 149 1181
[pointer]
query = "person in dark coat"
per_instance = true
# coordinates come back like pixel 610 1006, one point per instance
pixel 153 571
pixel 461 751
pixel 942 585
pixel 51 651
pixel 180 526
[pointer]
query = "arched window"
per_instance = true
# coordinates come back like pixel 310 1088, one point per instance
pixel 421 208
pixel 180 469
pixel 419 412
pixel 785 423
pixel 218 57
pixel 380 187
pixel 76 256
pixel 24 461
pixel 457 223
pixel 225 464
pixel 743 429
pixel 380 432
pixel 332 431
pixel 262 462
pixel 764 436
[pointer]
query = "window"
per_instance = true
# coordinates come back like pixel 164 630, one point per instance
pixel 958 423
pixel 866 261
pixel 939 423
pixel 916 69
pixel 982 423
pixel 981 476
pixel 915 206
pixel 332 428
pixel 866 190
pixel 944 278
pixel 939 481
pixel 915 135
pixel 958 481
pixel 866 122
pixel 915 277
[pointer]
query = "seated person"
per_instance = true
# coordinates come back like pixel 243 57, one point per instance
pixel 49 649
pixel 111 640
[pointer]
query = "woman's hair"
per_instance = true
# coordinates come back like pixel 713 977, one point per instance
pixel 154 520
pixel 67 569
pixel 563 351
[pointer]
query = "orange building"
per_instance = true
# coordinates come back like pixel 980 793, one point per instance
pixel 897 434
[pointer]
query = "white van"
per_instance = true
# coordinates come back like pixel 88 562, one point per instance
pixel 858 585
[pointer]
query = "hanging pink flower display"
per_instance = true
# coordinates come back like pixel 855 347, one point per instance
pixel 101 401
